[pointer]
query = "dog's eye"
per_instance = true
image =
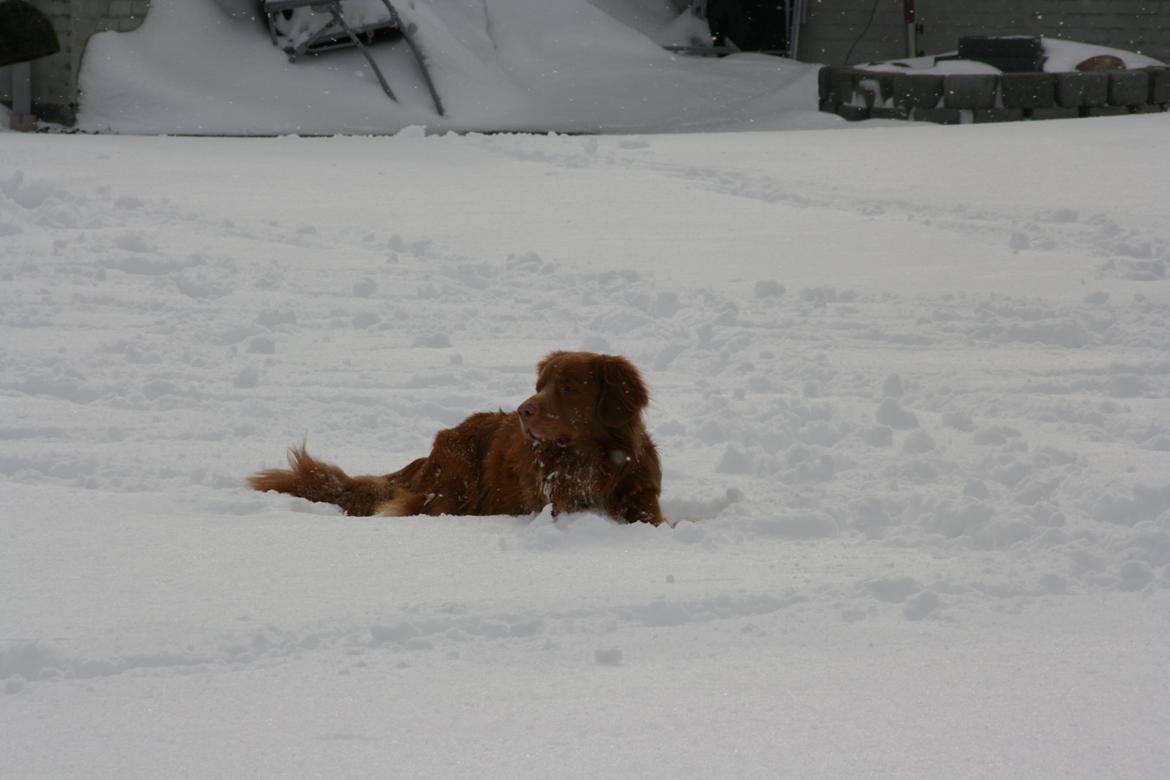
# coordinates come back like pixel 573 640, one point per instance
pixel 566 388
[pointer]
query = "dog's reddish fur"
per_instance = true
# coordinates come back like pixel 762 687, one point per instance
pixel 578 443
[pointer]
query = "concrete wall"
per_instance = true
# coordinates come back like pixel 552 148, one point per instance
pixel 834 25
pixel 54 79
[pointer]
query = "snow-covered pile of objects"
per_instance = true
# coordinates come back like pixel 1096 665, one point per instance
pixel 208 67
pixel 296 26
pixel 922 421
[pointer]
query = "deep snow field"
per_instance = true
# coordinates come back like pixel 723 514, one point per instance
pixel 912 386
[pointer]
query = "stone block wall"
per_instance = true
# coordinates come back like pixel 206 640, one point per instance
pixel 855 93
pixel 833 26
pixel 54 79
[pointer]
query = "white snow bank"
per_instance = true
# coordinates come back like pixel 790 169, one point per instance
pixel 197 68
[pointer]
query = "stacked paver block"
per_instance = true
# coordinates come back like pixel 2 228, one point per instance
pixel 855 93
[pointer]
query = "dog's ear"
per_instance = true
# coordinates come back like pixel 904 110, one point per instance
pixel 544 363
pixel 621 392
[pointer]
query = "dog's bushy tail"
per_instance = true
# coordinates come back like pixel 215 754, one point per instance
pixel 316 480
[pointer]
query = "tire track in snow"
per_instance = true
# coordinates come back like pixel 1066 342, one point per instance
pixel 438 630
pixel 1136 254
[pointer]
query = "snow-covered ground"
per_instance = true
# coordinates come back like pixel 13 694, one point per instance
pixel 913 385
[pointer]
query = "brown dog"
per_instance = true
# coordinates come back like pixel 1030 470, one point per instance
pixel 578 443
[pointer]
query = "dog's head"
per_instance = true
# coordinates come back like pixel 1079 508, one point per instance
pixel 581 396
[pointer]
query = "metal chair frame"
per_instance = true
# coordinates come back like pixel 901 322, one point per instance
pixel 339 34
